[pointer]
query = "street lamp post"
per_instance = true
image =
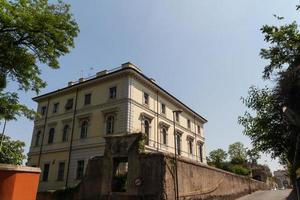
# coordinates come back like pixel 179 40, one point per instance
pixel 175 112
pixel 295 120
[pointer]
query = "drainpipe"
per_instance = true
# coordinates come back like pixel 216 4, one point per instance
pixel 157 126
pixel 195 129
pixel 71 139
pixel 44 130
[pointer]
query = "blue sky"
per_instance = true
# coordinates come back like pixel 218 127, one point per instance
pixel 206 53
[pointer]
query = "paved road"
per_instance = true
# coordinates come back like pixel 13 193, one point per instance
pixel 267 195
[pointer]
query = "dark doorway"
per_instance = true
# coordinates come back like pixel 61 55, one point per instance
pixel 120 171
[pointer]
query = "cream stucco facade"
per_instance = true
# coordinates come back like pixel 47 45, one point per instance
pixel 75 119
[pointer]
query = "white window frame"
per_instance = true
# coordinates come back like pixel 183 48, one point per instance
pixel 82 136
pixel 144 99
pixel 162 135
pixel 161 108
pixel 115 94
pixel 112 131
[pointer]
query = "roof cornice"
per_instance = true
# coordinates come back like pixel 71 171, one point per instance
pixel 130 70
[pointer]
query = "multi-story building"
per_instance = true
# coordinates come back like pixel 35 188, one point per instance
pixel 282 179
pixel 74 120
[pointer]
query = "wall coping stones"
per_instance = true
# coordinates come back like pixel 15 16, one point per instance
pixel 19 168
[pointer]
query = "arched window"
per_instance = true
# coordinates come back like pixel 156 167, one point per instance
pixel 147 130
pixel 84 128
pixel 164 136
pixel 65 133
pixel 110 122
pixel 51 136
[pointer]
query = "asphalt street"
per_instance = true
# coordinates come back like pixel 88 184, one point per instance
pixel 267 195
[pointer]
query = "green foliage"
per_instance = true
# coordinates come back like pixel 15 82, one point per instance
pixel 253 155
pixel 237 153
pixel 270 129
pixel 142 143
pixel 267 129
pixel 233 168
pixel 11 151
pixel 10 107
pixel 217 156
pixel 31 32
pixel 284 50
pixel 238 163
pixel 238 169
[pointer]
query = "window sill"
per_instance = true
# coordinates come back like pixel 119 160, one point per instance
pixel 111 100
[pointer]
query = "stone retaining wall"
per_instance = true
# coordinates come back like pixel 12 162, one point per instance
pixel 152 175
pixel 198 181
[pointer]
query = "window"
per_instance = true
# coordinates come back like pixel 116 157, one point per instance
pixel 146 98
pixel 189 123
pixel 164 136
pixel 69 104
pixel 163 108
pixel 147 130
pixel 65 133
pixel 51 136
pixel 110 122
pixel 37 139
pixel 43 110
pixel 199 130
pixel 87 99
pixel 178 144
pixel 113 92
pixel 61 171
pixel 177 116
pixel 80 169
pixel 46 172
pixel 55 107
pixel 84 128
pixel 200 151
pixel 190 145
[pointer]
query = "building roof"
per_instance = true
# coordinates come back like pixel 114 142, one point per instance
pixel 105 73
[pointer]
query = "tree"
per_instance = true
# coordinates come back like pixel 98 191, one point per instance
pixel 269 128
pixel 237 153
pixel 253 155
pixel 217 156
pixel 31 32
pixel 11 151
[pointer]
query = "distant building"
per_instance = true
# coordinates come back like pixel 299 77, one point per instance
pixel 121 101
pixel 282 178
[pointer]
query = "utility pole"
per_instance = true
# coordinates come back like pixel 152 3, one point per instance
pixel 2 135
pixel 175 151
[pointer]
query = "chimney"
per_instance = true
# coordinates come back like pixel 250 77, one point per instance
pixel 101 73
pixel 70 83
pixel 130 65
pixel 81 80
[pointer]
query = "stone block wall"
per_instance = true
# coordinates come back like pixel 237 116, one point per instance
pixel 199 181
pixel 152 175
